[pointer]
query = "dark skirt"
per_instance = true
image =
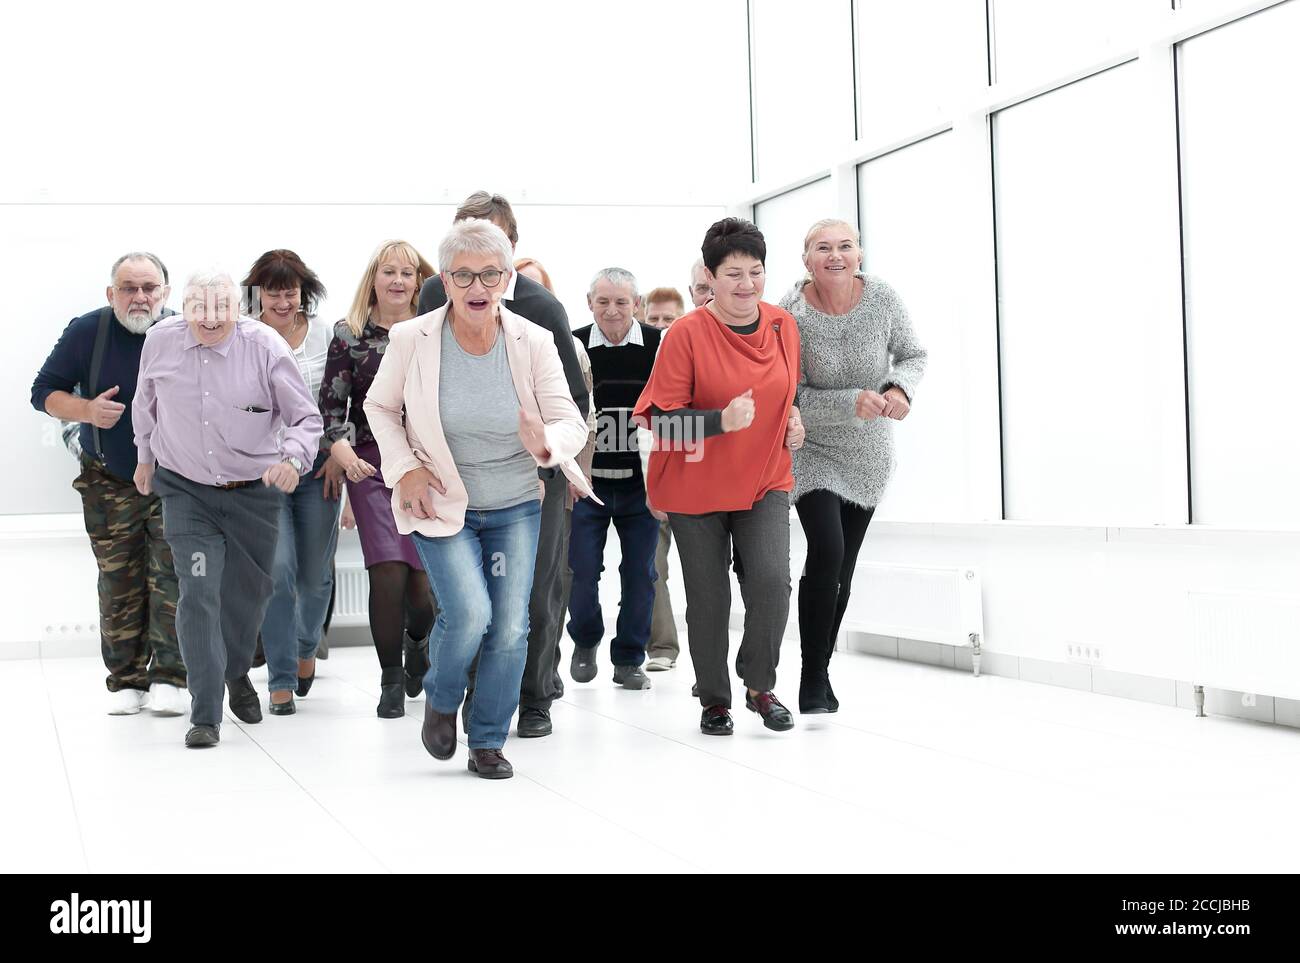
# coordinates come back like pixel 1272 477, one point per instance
pixel 372 506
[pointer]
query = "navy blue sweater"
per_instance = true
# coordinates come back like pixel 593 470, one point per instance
pixel 68 369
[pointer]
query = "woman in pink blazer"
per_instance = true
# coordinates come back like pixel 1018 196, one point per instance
pixel 486 403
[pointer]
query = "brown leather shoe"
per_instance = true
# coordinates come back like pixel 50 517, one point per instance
pixel 439 733
pixel 490 764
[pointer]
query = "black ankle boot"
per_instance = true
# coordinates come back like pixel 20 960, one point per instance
pixel 415 655
pixel 392 702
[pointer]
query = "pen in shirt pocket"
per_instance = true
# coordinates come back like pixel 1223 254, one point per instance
pixel 255 409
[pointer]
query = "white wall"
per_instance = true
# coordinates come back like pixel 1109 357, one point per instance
pixel 209 135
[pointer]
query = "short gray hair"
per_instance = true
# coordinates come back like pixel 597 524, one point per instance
pixel 697 266
pixel 474 235
pixel 614 275
pixel 139 256
pixel 210 278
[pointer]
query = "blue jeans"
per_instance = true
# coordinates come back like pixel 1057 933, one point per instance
pixel 638 535
pixel 304 578
pixel 482 578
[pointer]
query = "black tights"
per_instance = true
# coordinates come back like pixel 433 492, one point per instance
pixel 834 530
pixel 400 600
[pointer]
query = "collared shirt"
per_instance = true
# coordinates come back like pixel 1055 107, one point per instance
pixel 223 413
pixel 597 337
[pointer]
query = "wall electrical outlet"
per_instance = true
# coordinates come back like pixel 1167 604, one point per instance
pixel 1083 653
pixel 83 630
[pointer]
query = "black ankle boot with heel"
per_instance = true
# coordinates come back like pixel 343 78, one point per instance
pixel 392 701
pixel 415 656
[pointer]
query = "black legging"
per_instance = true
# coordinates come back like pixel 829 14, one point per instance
pixel 833 529
pixel 400 600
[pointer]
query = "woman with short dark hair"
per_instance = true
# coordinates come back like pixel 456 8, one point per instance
pixel 720 402
pixel 284 294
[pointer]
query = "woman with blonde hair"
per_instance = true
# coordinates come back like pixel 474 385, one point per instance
pixel 859 369
pixel 401 605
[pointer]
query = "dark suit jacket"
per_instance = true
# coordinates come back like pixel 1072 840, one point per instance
pixel 538 305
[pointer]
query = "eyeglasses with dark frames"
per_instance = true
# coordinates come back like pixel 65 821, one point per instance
pixel 490 278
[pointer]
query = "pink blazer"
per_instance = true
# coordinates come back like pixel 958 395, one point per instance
pixel 408 378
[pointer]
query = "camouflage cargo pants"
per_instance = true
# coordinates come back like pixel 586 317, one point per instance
pixel 137 583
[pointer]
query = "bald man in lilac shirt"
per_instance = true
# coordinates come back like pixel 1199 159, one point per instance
pixel 223 423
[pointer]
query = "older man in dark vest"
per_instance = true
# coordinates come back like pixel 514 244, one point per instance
pixel 89 380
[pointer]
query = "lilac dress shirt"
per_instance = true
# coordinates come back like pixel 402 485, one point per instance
pixel 225 413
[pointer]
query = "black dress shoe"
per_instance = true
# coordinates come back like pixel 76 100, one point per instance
pixel 439 732
pixel 716 721
pixel 490 764
pixel 304 684
pixel 244 703
pixel 283 708
pixel 832 703
pixel 415 657
pixel 534 722
pixel 775 716
pixel 202 737
pixel 392 702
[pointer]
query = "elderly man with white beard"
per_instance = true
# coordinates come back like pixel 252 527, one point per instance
pixel 89 380
pixel 223 423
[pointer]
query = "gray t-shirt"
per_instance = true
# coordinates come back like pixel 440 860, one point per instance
pixel 480 419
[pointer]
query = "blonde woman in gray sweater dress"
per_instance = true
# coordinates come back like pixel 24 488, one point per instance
pixel 860 366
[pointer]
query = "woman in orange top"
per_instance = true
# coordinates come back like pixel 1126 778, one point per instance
pixel 720 402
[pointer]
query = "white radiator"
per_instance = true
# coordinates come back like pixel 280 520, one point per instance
pixel 351 595
pixel 920 603
pixel 1246 642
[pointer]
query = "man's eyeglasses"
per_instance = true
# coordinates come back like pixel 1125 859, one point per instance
pixel 131 290
pixel 490 278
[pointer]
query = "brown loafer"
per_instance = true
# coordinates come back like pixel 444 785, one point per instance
pixel 490 764
pixel 439 733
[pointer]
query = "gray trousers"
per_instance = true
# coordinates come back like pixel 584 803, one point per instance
pixel 223 546
pixel 762 536
pixel 663 627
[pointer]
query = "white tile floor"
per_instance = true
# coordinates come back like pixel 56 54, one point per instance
pixel 924 769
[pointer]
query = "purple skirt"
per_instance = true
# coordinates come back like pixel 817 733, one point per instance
pixel 372 506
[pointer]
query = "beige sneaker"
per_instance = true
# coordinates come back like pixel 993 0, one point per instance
pixel 660 663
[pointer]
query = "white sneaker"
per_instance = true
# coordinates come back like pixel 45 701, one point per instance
pixel 125 702
pixel 660 663
pixel 167 700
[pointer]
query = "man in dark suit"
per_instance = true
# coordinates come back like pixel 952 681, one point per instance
pixel 541 683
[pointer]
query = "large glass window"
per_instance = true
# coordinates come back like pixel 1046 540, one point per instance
pixel 1036 39
pixel 907 211
pixel 916 59
pixel 802 61
pixel 1082 427
pixel 784 220
pixel 1241 205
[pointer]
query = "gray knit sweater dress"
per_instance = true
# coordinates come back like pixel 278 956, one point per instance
pixel 873 346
